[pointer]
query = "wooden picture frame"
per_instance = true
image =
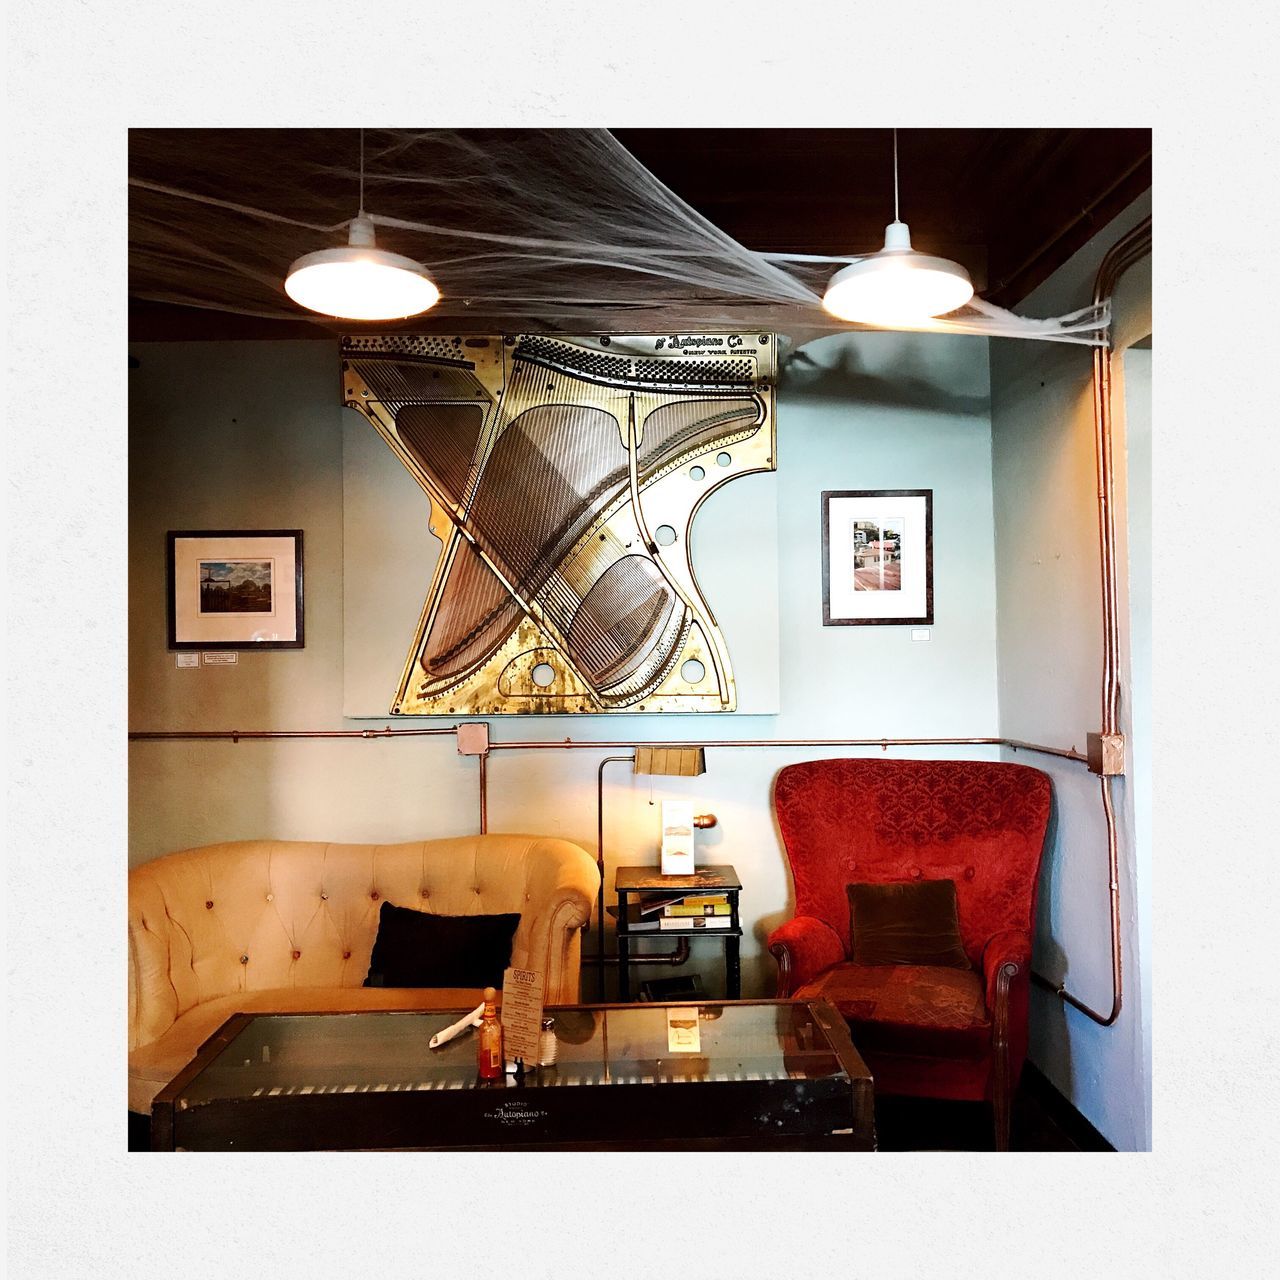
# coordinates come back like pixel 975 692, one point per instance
pixel 235 589
pixel 877 557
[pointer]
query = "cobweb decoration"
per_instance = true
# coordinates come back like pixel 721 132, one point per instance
pixel 552 230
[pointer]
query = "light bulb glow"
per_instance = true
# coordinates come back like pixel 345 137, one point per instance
pixel 358 283
pixel 897 285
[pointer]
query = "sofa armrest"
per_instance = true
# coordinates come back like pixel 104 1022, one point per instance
pixel 803 948
pixel 562 885
pixel 153 1002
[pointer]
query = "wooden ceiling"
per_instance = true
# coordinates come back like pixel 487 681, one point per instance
pixel 1011 204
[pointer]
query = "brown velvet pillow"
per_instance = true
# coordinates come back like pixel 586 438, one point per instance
pixel 912 923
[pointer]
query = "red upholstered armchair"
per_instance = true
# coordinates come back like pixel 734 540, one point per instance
pixel 924 1031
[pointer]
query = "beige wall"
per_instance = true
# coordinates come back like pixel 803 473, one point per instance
pixel 250 434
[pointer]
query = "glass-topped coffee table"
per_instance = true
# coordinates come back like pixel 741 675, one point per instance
pixel 751 1075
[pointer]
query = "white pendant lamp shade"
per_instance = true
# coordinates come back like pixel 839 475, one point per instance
pixel 897 285
pixel 360 281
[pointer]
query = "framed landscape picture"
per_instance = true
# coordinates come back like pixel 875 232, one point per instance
pixel 877 557
pixel 235 589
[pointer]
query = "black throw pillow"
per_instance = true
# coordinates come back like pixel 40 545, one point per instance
pixel 912 923
pixel 416 949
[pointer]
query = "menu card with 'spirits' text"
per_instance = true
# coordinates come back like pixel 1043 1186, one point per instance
pixel 522 991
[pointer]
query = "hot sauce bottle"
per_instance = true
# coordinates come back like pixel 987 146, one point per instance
pixel 489 1058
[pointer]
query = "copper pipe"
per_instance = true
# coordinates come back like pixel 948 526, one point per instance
pixel 484 794
pixel 1128 250
pixel 234 735
pixel 673 958
pixel 1117 973
pixel 599 956
pixel 579 744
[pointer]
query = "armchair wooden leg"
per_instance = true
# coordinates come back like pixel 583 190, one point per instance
pixel 1003 1107
pixel 786 982
pixel 1001 1087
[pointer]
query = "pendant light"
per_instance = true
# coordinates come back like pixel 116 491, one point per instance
pixel 897 285
pixel 359 281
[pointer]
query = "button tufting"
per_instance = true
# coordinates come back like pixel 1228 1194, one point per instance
pixel 476 889
pixel 426 893
pixel 968 873
pixel 208 906
pixel 374 895
pixel 915 873
pixel 297 955
pixel 324 897
pixel 346 955
pixel 271 897
pixel 244 959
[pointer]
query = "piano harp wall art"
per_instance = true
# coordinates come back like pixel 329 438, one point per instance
pixel 563 476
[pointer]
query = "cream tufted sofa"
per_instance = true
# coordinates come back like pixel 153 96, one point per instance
pixel 287 927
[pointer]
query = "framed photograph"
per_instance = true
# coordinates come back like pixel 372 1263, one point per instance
pixel 235 589
pixel 877 557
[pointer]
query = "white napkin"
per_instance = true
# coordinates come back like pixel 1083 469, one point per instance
pixel 472 1019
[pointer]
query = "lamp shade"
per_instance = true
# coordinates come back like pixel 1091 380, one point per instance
pixel 671 762
pixel 897 285
pixel 359 281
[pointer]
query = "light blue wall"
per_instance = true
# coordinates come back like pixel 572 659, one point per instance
pixel 1135 387
pixel 250 434
pixel 1050 673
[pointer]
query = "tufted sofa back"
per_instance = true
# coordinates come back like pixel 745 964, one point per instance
pixel 979 823
pixel 259 914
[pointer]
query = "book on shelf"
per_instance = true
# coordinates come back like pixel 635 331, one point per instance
pixel 690 903
pixel 696 922
pixel 634 921
pixel 655 905
pixel 690 909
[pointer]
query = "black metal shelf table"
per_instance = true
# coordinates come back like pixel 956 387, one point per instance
pixel 636 881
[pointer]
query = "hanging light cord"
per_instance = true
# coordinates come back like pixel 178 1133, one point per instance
pixel 361 214
pixel 895 175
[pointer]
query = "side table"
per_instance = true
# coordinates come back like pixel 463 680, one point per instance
pixel 632 882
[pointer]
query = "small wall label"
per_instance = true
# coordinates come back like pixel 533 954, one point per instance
pixel 188 659
pixel 222 658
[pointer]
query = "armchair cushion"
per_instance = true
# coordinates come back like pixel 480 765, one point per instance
pixel 419 949
pixel 912 923
pixel 909 1008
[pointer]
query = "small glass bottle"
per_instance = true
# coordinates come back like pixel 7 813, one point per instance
pixel 489 1060
pixel 547 1043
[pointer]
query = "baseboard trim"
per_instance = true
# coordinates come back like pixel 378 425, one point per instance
pixel 1061 1111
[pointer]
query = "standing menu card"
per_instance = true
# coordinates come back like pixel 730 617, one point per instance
pixel 677 838
pixel 522 991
